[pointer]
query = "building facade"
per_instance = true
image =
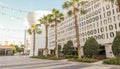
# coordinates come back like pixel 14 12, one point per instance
pixel 6 50
pixel 33 17
pixel 102 21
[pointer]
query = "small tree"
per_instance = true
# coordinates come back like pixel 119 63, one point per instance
pixel 116 45
pixel 59 49
pixel 91 47
pixel 14 49
pixel 67 49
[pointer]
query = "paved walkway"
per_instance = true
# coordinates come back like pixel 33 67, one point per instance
pixel 24 62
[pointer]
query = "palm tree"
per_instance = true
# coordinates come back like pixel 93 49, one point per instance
pixel 46 20
pixel 56 17
pixel 113 1
pixel 32 31
pixel 75 8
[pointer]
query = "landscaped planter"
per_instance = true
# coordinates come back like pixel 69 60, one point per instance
pixel 113 61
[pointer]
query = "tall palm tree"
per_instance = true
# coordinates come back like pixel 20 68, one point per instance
pixel 75 8
pixel 56 17
pixel 32 31
pixel 46 20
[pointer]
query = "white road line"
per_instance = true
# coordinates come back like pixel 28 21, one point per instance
pixel 41 65
pixel 57 66
pixel 96 67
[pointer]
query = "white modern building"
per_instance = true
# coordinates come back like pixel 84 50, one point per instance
pixel 33 17
pixel 101 21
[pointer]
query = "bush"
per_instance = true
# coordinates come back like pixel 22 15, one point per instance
pixel 88 60
pixel 70 56
pixel 91 47
pixel 46 57
pixel 40 57
pixel 59 49
pixel 116 45
pixel 114 61
pixel 67 48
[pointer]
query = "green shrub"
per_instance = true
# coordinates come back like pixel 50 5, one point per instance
pixel 40 57
pixel 46 57
pixel 67 48
pixel 91 47
pixel 88 60
pixel 59 49
pixel 114 61
pixel 71 56
pixel 116 45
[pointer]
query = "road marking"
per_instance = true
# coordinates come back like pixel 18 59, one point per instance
pixel 57 66
pixel 39 65
pixel 96 67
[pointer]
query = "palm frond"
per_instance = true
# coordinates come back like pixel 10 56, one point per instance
pixel 83 11
pixel 38 25
pixel 33 28
pixel 70 13
pixel 58 21
pixel 55 11
pixel 74 2
pixel 38 31
pixel 66 5
pixel 77 9
pixel 112 1
pixel 29 31
pixel 83 2
pixel 46 20
pixel 62 18
pixel 56 15
pixel 43 20
pixel 52 25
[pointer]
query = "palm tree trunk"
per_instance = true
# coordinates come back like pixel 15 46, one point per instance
pixel 33 42
pixel 77 33
pixel 118 3
pixel 46 47
pixel 56 46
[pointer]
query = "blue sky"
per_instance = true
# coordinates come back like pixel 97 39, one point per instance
pixel 12 28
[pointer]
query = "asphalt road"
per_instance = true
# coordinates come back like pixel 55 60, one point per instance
pixel 24 62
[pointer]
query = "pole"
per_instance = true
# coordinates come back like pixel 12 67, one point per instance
pixel 24 41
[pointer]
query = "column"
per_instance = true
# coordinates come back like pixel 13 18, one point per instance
pixel 5 53
pixel 108 49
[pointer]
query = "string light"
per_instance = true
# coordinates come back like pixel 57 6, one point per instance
pixel 13 30
pixel 11 16
pixel 3 8
pixel 12 9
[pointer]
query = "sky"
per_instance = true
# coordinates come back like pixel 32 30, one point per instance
pixel 14 12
